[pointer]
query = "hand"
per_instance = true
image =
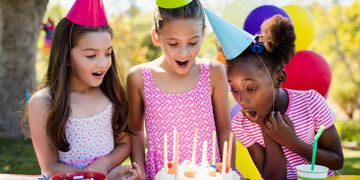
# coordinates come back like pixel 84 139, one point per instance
pixel 280 128
pixel 127 173
pixel 99 165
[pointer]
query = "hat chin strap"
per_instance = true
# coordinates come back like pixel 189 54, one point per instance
pixel 272 83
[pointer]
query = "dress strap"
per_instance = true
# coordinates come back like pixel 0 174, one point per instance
pixel 48 95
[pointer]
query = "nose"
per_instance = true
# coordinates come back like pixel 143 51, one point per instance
pixel 242 99
pixel 102 62
pixel 184 52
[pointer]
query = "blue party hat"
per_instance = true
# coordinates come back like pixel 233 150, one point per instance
pixel 233 40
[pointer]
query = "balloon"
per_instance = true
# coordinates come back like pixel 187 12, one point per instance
pixel 234 110
pixel 308 70
pixel 237 11
pixel 304 24
pixel 244 162
pixel 259 15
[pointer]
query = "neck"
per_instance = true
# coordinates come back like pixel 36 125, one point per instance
pixel 282 101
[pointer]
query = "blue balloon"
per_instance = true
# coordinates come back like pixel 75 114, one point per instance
pixel 234 110
pixel 259 15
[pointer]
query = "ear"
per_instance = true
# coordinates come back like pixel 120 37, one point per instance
pixel 155 38
pixel 279 78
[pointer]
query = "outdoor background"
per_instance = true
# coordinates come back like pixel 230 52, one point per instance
pixel 24 57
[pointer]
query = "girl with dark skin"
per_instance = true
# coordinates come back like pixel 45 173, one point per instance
pixel 270 125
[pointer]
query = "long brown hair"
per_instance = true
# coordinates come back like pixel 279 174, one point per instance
pixel 66 35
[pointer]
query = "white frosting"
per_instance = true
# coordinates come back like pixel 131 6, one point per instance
pixel 201 173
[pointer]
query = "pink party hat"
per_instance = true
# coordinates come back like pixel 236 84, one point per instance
pixel 88 13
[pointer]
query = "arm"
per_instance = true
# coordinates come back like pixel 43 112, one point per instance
pixel 329 151
pixel 136 116
pixel 273 153
pixel 115 158
pixel 46 154
pixel 220 101
pixel 264 158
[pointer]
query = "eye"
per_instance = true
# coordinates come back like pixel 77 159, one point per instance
pixel 193 44
pixel 234 90
pixel 108 54
pixel 173 44
pixel 91 56
pixel 251 89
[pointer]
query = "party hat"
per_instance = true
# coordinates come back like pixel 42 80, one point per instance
pixel 88 13
pixel 170 4
pixel 233 40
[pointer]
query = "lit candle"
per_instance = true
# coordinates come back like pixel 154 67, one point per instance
pixel 193 156
pixel 204 154
pixel 176 155
pixel 223 164
pixel 228 163
pixel 174 145
pixel 213 159
pixel 165 153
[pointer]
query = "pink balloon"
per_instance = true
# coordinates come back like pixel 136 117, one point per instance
pixel 308 70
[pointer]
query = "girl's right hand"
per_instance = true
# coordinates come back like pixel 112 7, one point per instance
pixel 123 173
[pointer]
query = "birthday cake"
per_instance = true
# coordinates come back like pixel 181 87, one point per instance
pixel 189 170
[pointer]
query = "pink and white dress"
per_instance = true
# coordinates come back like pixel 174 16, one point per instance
pixel 307 110
pixel 184 112
pixel 90 138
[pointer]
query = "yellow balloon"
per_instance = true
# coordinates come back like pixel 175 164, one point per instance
pixel 245 164
pixel 304 24
pixel 237 11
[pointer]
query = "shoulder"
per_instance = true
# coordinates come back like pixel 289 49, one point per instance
pixel 40 98
pixel 217 70
pixel 39 104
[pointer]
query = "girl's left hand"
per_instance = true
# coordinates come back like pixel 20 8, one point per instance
pixel 280 128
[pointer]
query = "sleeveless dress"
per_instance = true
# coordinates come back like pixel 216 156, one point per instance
pixel 90 138
pixel 165 112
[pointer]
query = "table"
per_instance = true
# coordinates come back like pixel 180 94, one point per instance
pixel 18 177
pixel 344 177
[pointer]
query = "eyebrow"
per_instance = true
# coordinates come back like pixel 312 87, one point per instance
pixel 247 79
pixel 171 38
pixel 92 49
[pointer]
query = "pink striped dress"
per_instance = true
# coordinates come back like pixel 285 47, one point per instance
pixel 184 112
pixel 308 110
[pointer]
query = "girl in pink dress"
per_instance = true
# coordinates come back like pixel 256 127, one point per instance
pixel 177 91
pixel 78 120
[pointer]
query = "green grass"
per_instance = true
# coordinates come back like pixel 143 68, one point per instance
pixel 352 162
pixel 18 157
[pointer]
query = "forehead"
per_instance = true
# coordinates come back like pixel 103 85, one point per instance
pixel 95 40
pixel 241 70
pixel 181 28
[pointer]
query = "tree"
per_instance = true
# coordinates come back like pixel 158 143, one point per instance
pixel 338 39
pixel 19 31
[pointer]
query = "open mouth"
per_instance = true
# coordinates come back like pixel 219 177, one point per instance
pixel 182 63
pixel 250 114
pixel 98 74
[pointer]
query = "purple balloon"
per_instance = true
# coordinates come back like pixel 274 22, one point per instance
pixel 234 110
pixel 259 15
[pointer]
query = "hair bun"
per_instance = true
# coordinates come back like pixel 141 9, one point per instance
pixel 278 36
